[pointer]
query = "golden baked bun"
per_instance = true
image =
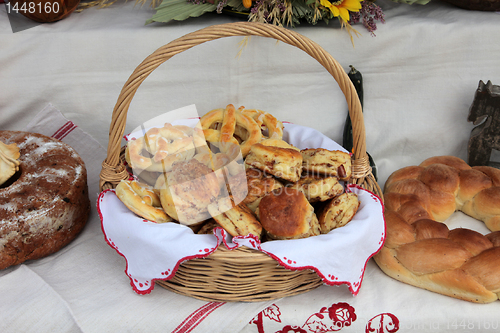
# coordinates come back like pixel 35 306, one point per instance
pixel 337 212
pixel 141 199
pixel 317 188
pixel 327 162
pixel 285 213
pixel 445 184
pixel 187 190
pixel 277 158
pixel 236 220
pixel 421 251
pixel 259 184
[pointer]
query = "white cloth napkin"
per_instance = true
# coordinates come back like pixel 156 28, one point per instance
pixel 154 251
pixel 82 288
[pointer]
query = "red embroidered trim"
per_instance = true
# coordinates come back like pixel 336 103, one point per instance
pixel 112 244
pixel 195 318
pixel 354 289
pixel 62 132
pixel 323 277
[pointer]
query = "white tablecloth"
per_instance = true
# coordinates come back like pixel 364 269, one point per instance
pixel 420 74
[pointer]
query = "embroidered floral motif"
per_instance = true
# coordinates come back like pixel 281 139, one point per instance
pixel 272 312
pixel 384 322
pixel 328 319
pixel 292 329
pixel 331 319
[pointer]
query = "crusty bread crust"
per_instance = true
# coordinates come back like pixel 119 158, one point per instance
pixel 285 213
pixel 48 205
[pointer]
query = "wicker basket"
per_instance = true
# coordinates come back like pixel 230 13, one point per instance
pixel 242 274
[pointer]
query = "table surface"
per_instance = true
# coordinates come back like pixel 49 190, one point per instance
pixel 420 73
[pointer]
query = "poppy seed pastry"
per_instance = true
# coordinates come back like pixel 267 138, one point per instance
pixel 45 205
pixel 285 213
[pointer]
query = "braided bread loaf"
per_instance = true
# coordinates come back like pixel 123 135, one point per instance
pixel 422 251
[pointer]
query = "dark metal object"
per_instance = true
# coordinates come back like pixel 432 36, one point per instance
pixel 347 139
pixel 483 5
pixel 485 113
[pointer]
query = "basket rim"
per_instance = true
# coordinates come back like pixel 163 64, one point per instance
pixel 113 172
pixel 113 169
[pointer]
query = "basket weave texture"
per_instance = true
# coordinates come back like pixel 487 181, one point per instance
pixel 242 274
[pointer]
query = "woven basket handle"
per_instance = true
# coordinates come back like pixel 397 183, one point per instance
pixel 112 169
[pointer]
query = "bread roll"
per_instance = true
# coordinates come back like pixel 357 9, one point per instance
pixel 421 251
pixel 327 162
pixel 276 157
pixel 259 184
pixel 285 213
pixel 237 220
pixel 187 190
pixel 338 212
pixel 317 188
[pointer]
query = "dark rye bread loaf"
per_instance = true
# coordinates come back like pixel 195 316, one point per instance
pixel 45 205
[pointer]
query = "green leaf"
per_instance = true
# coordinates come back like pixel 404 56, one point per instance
pixel 179 10
pixel 237 5
pixel 302 10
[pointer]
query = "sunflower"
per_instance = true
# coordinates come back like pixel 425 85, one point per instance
pixel 342 7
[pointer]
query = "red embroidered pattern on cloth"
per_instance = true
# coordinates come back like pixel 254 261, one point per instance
pixel 62 132
pixel 195 318
pixel 329 319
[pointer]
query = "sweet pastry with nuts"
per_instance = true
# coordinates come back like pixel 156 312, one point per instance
pixel 208 184
pixel 276 157
pixel 160 148
pixel 141 199
pixel 272 127
pixel 318 188
pixel 327 162
pixel 285 213
pixel 187 190
pixel 258 184
pixel 219 127
pixel 337 212
pixel 237 220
